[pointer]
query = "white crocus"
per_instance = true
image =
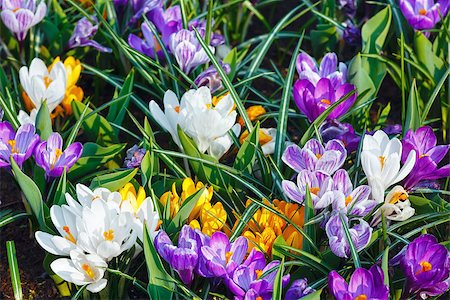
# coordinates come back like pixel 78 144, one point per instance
pixel 397 206
pixel 25 118
pixel 86 196
pixel 105 230
pixel 64 220
pixel 41 84
pixel 82 269
pixel 380 160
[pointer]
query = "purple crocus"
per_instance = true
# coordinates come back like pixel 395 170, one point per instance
pixel 315 157
pixel 360 233
pixel 426 264
pixel 187 50
pixel 184 258
pixel 348 7
pixel 298 290
pixel 423 14
pixel 84 32
pixel 18 145
pixel 148 45
pixel 20 15
pixel 428 156
pixel 333 129
pixel 313 100
pixel 364 284
pixel 167 21
pixel 254 279
pixel 211 78
pixel 141 7
pixel 134 157
pixel 50 157
pixel 352 34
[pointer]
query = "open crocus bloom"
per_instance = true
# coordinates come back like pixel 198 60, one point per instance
pixel 423 14
pixel 315 157
pixel 364 284
pixel 41 84
pixel 149 45
pixel 52 159
pixel 83 34
pixel 18 145
pixel 20 15
pixel 380 160
pixel 82 269
pixel 212 218
pixel 397 206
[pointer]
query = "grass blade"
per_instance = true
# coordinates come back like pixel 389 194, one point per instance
pixel 14 270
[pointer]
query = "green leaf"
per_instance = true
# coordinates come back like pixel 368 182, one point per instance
pixel 313 296
pixel 117 110
pixel 9 216
pixel 247 154
pixel 348 236
pixel 44 122
pixel 278 284
pixel 14 270
pixel 231 59
pixel 160 283
pixel 375 30
pixel 361 79
pixel 412 120
pixel 426 57
pixel 277 244
pixel 183 214
pixel 60 193
pixel 113 181
pixel 33 196
pixel 324 38
pixel 385 266
pixel 309 214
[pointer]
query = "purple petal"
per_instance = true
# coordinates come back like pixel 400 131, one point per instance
pixel 328 64
pixel 292 157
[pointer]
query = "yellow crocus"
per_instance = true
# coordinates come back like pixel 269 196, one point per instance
pixel 253 112
pixel 128 193
pixel 212 218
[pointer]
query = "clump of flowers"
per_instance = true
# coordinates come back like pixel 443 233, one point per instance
pixel 18 145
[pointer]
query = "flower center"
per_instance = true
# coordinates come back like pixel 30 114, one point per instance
pixel 382 159
pixel 361 297
pixel 258 273
pixel 177 109
pixel 69 235
pixel 422 12
pixel 58 153
pixel 318 155
pixel 259 298
pixel 12 143
pixel 423 155
pixel 397 197
pixel 348 199
pixel 108 235
pixel 325 101
pixel 228 256
pixel 88 270
pixel 425 267
pixel 47 81
pixel 314 190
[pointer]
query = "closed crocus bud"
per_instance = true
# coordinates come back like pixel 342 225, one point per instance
pixel 83 34
pixel 211 78
pixel 134 157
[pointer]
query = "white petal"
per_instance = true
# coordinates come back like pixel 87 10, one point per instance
pixel 65 269
pixel 407 167
pixel 97 286
pixel 45 241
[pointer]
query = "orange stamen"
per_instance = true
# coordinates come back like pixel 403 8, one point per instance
pixel 89 272
pixel 422 12
pixel 69 235
pixel 382 159
pixel 425 267
pixel 326 101
pixel 314 190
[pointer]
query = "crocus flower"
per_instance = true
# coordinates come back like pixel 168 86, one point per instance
pixel 167 21
pixel 220 257
pixel 426 264
pixel 423 14
pixel 187 50
pixel 380 160
pixel 397 206
pixel 211 78
pixel 364 284
pixel 212 218
pixel 141 7
pixel 20 15
pixel 50 157
pixel 333 129
pixel 84 32
pixel 81 269
pixel 428 156
pixel 360 233
pixel 352 35
pixel 313 100
pixel 18 145
pixel 134 157
pixel 315 157
pixel 298 290
pixel 253 112
pixel 184 258
pixel 149 45
pixel 348 7
pixel 267 138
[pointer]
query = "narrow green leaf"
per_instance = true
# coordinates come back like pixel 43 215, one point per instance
pixel 310 230
pixel 14 270
pixel 353 250
pixel 385 266
pixel 183 214
pixel 313 296
pixel 9 216
pixel 113 181
pixel 247 153
pixel 278 284
pixel 43 122
pixel 412 119
pixel 117 111
pixel 60 193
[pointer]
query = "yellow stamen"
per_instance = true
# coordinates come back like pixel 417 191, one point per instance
pixel 69 235
pixel 422 12
pixel 423 155
pixel 361 297
pixel 258 273
pixel 397 197
pixel 228 256
pixel 426 266
pixel 382 159
pixel 318 155
pixel 348 199
pixel 47 81
pixel 58 153
pixel 12 143
pixel 177 109
pixel 314 190
pixel 109 235
pixel 89 272
pixel 326 101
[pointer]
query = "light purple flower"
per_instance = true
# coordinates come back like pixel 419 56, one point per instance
pixel 423 14
pixel 360 233
pixel 187 50
pixel 428 156
pixel 364 284
pixel 333 129
pixel 20 15
pixel 298 290
pixel 134 157
pixel 18 145
pixel 50 157
pixel 211 78
pixel 84 32
pixel 313 100
pixel 149 45
pixel 426 264
pixel 315 157
pixel 167 21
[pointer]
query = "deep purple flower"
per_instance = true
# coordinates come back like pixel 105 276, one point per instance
pixel 20 15
pixel 360 233
pixel 298 290
pixel 423 14
pixel 348 7
pixel 364 284
pixel 50 157
pixel 142 7
pixel 200 24
pixel 18 145
pixel 313 100
pixel 134 157
pixel 84 32
pixel 426 264
pixel 254 278
pixel 314 156
pixel 148 45
pixel 167 21
pixel 211 78
pixel 428 156
pixel 184 258
pixel 352 34
pixel 333 129
pixel 187 50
